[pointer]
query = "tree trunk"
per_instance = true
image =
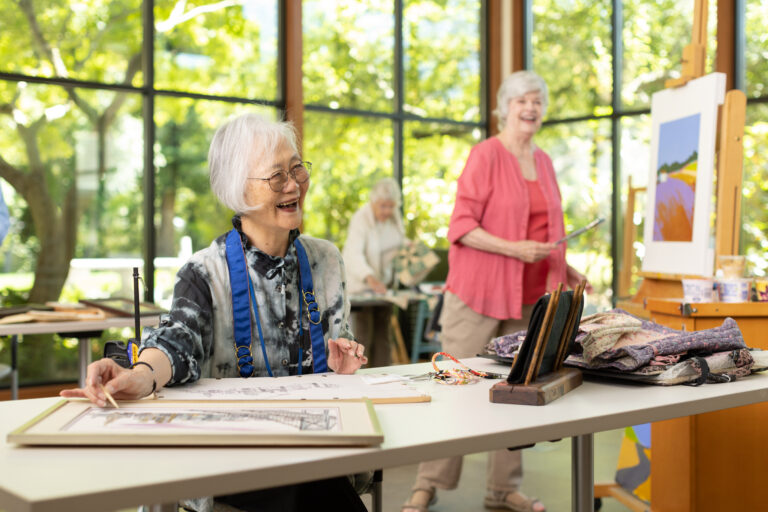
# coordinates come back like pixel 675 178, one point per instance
pixel 166 241
pixel 57 232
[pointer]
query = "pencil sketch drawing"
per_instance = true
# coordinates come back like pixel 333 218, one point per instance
pixel 262 419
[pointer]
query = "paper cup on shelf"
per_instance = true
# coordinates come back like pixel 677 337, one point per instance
pixel 699 290
pixel 732 266
pixel 734 290
pixel 761 290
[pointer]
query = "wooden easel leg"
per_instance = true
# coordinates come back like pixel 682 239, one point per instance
pixel 399 354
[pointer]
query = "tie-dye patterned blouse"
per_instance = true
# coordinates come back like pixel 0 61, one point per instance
pixel 197 334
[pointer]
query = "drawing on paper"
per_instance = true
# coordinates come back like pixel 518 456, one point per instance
pixel 204 423
pixel 266 391
pixel 676 170
pixel 265 419
pixel 322 386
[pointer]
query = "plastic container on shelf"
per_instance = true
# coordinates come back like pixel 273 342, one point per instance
pixel 761 290
pixel 734 290
pixel 731 266
pixel 699 290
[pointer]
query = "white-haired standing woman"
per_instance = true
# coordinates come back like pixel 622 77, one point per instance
pixel 506 218
pixel 374 236
pixel 237 309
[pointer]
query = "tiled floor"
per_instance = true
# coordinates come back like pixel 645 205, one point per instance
pixel 547 476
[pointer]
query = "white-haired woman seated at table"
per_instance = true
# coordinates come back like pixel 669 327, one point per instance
pixel 374 236
pixel 238 308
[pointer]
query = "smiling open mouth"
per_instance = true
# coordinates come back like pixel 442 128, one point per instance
pixel 289 204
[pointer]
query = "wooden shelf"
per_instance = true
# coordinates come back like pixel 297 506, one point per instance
pixel 705 309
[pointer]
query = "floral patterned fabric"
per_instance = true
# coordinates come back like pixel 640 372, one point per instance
pixel 617 342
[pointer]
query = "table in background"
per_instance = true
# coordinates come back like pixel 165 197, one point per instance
pixel 400 300
pixel 459 420
pixel 82 330
pixel 715 461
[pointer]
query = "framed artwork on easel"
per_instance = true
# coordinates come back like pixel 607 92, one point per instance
pixel 678 228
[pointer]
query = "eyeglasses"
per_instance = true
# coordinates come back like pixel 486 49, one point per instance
pixel 298 173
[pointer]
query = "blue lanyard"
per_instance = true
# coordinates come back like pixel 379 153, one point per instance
pixel 243 299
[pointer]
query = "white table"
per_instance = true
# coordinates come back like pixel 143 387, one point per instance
pixel 459 420
pixel 83 331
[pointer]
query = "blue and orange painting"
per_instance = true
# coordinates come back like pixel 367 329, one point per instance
pixel 676 179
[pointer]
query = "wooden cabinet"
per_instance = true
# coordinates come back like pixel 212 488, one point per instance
pixel 716 461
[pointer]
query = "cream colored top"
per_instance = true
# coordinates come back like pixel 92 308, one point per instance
pixel 370 249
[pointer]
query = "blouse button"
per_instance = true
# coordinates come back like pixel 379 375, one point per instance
pixel 284 362
pixel 281 325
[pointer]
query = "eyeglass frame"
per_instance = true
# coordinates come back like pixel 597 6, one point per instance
pixel 288 175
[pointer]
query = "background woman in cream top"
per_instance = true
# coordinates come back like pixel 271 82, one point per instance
pixel 375 235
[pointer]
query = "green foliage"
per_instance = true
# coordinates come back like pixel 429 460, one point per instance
pixel 576 62
pixel 580 153
pixel 348 64
pixel 756 48
pixel 348 51
pixel 434 158
pixel 442 65
pixel 349 154
pixel 754 234
pixel 228 50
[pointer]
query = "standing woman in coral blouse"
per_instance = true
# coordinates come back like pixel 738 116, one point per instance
pixel 506 218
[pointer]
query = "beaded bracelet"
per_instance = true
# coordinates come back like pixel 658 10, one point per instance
pixel 154 382
pixel 455 375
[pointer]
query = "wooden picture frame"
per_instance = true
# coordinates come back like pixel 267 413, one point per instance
pixel 124 307
pixel 204 423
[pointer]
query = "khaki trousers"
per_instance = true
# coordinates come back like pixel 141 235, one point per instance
pixel 371 327
pixel 464 333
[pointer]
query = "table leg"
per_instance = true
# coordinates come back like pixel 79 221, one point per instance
pixel 15 367
pixel 582 474
pixel 84 347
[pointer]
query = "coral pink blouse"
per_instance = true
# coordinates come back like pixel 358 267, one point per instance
pixel 492 194
pixel 535 274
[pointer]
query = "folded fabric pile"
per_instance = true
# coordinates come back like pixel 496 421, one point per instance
pixel 617 344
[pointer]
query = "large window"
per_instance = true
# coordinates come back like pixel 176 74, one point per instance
pixel 92 146
pixel 73 149
pixel 603 61
pixel 754 234
pixel 392 88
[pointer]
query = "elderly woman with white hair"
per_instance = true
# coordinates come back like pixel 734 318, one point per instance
pixel 238 310
pixel 374 236
pixel 503 257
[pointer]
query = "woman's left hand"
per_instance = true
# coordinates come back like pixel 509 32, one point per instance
pixel 345 356
pixel 574 277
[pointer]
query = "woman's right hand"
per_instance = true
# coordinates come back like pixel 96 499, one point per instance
pixel 120 382
pixel 376 285
pixel 530 251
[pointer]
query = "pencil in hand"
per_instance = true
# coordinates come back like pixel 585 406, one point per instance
pixel 109 396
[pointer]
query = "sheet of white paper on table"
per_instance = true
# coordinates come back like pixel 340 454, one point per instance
pixel 382 378
pixel 321 386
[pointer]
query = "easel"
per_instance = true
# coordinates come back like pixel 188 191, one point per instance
pixel 729 170
pixel 683 477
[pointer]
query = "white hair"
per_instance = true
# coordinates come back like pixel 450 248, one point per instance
pixel 515 85
pixel 237 146
pixel 386 189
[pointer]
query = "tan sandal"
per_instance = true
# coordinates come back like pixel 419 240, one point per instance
pixel 515 501
pixel 410 506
